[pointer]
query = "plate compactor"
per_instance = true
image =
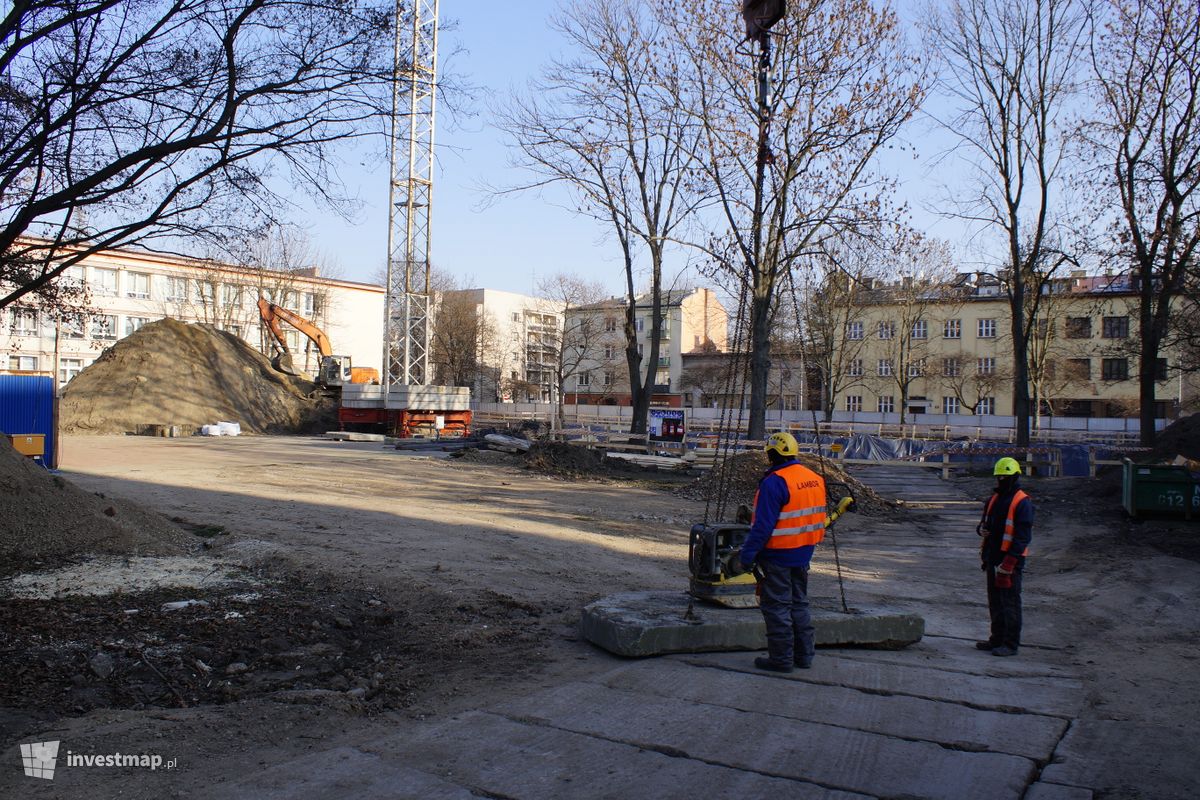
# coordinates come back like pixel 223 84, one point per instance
pixel 712 549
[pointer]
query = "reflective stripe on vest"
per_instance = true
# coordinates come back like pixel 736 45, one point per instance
pixel 802 519
pixel 1009 520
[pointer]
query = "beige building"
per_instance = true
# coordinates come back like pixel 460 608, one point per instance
pixel 129 288
pixel 948 351
pixel 693 322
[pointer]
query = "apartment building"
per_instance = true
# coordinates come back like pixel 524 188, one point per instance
pixel 694 321
pixel 911 349
pixel 130 288
pixel 516 338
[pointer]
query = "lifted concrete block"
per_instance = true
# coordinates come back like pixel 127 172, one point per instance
pixel 642 624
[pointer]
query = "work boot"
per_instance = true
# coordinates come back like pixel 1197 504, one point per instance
pixel 986 645
pixel 1004 650
pixel 763 662
pixel 802 663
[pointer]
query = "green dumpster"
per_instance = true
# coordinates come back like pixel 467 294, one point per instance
pixel 1159 489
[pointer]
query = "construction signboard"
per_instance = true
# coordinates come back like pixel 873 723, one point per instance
pixel 667 425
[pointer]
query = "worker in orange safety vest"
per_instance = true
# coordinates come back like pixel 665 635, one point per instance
pixel 789 520
pixel 1006 530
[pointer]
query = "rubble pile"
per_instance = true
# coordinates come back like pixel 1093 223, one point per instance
pixel 173 373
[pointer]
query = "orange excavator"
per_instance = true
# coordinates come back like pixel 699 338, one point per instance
pixel 334 371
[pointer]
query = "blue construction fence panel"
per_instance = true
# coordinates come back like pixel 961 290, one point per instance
pixel 27 406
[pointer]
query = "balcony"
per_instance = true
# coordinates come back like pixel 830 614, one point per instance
pixel 661 388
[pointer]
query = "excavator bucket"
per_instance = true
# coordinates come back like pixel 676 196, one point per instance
pixel 283 363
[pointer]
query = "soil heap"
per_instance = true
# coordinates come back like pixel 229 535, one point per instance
pixel 173 373
pixel 1180 438
pixel 46 516
pixel 747 470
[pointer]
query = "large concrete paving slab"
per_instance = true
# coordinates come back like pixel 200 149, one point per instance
pixel 767 743
pixel 642 624
pixel 1116 759
pixel 495 756
pixel 1060 697
pixel 338 774
pixel 949 724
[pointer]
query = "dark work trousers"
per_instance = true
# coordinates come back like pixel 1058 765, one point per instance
pixel 784 604
pixel 1005 608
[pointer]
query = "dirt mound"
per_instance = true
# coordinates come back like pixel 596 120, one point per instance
pixel 748 468
pixel 46 516
pixel 567 461
pixel 1180 438
pixel 172 373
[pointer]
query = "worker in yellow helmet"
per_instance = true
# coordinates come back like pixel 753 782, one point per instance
pixel 1006 529
pixel 788 522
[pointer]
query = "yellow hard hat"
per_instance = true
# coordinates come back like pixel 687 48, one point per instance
pixel 784 444
pixel 1007 466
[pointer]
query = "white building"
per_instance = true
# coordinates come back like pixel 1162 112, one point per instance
pixel 129 288
pixel 518 344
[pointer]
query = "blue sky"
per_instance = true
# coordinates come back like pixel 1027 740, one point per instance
pixel 512 242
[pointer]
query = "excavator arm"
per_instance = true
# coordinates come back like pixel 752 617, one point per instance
pixel 271 315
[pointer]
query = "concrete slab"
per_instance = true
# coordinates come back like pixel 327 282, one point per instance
pixel 495 756
pixel 1098 754
pixel 1057 697
pixel 642 624
pixel 949 724
pixel 353 436
pixel 336 774
pixel 1055 791
pixel 764 742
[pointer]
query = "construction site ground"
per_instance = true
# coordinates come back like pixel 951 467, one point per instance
pixel 380 624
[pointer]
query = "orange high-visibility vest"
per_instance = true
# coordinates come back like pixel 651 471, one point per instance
pixel 1009 522
pixel 802 519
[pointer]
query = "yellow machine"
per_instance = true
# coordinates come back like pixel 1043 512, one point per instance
pixel 335 370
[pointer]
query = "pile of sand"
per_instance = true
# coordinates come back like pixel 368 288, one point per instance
pixel 172 373
pixel 1180 438
pixel 46 516
pixel 746 470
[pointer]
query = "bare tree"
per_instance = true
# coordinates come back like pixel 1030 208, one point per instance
pixel 463 339
pixel 580 333
pixel 1010 70
pixel 158 123
pixel 1146 61
pixel 607 124
pixel 842 85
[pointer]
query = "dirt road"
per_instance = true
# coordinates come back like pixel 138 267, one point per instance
pixel 478 571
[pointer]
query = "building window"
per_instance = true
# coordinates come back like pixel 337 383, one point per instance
pixel 104 281
pixel 1079 327
pixel 24 322
pixel 952 329
pixel 516 316
pixel 854 402
pixel 104 326
pixel 133 324
pixel 177 290
pixel 138 286
pixel 887 404
pixel 23 363
pixel 610 324
pixel 951 367
pixel 236 330
pixel 231 295
pixel 1160 369
pixel 854 331
pixel 609 350
pixel 1114 369
pixel 987 329
pixel 1116 328
pixel 641 324
pixel 986 366
pixel 583 379
pixel 68 368
pixel 608 377
pixel 884 367
pixel 855 368
pixel 74 276
pixel 920 329
pixel 916 369
pixel 1079 369
pixel 949 405
pixel 986 405
pixel 887 330
pixel 206 293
